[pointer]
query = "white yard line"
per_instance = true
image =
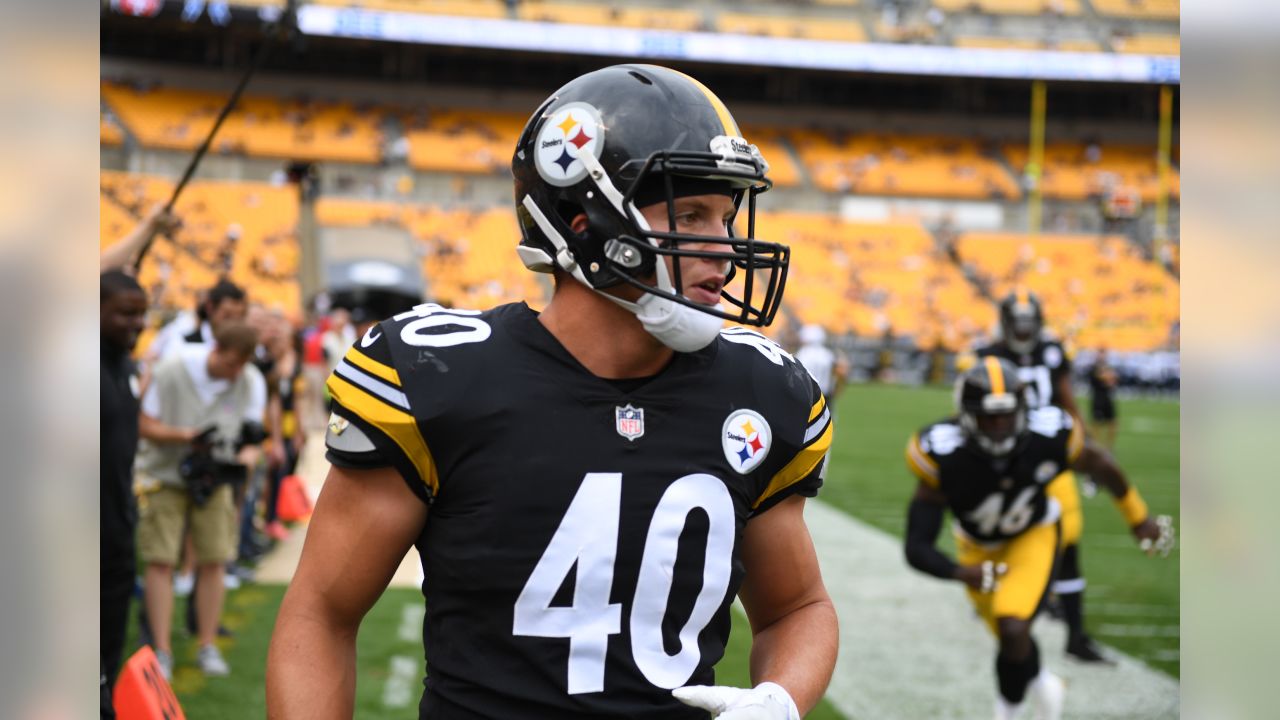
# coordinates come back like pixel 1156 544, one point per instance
pixel 401 688
pixel 911 647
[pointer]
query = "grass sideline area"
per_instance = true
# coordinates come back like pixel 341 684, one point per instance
pixel 1132 600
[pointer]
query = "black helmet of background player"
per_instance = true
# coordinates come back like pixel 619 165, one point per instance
pixel 626 137
pixel 992 404
pixel 1021 320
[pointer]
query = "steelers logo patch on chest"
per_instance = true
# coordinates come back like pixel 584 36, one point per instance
pixel 746 439
pixel 573 130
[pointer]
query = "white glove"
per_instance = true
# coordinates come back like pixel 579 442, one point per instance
pixel 1168 537
pixel 766 701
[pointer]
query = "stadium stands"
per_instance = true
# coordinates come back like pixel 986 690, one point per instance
pixel 878 164
pixel 469 256
pixel 614 15
pixel 299 129
pixel 1148 44
pixel 1095 290
pixel 109 133
pixel 1138 9
pixel 1011 7
pixel 1070 174
pixel 462 141
pixel 867 278
pixel 471 8
pixel 243 230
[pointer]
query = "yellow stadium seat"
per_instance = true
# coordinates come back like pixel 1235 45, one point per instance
pixel 881 164
pixel 1011 7
pixel 242 230
pixel 1148 45
pixel 1096 290
pixel 1139 9
pixel 266 127
pixel 471 8
pixel 1070 175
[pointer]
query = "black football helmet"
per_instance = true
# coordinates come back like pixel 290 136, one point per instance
pixel 1021 320
pixel 992 404
pixel 624 137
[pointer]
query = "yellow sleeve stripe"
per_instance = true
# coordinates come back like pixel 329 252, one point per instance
pixel 1075 443
pixel 800 466
pixel 921 465
pixel 395 424
pixel 373 367
pixel 817 408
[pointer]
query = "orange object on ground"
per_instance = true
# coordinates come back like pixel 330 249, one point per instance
pixel 142 693
pixel 294 503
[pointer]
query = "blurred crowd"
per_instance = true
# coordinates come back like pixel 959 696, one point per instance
pixel 201 433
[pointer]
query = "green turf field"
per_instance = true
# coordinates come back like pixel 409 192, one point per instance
pixel 1132 600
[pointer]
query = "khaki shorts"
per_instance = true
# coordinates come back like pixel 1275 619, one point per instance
pixel 163 515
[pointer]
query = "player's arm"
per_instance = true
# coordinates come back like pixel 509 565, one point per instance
pixel 1093 460
pixel 364 523
pixel 924 524
pixel 151 427
pixel 793 621
pixel 124 253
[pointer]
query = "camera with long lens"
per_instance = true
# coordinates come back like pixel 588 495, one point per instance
pixel 203 473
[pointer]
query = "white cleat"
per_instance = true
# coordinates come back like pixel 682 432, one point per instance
pixel 1049 692
pixel 1006 710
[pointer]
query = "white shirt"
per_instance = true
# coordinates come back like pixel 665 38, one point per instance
pixel 820 361
pixel 195 358
pixel 170 336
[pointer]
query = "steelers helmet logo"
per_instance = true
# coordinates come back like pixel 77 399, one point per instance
pixel 573 130
pixel 746 439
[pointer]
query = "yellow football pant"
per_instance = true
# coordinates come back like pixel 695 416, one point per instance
pixel 1030 559
pixel 1064 489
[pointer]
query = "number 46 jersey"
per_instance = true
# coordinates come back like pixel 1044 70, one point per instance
pixel 581 549
pixel 995 499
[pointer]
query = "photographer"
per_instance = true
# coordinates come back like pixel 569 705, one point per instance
pixel 201 423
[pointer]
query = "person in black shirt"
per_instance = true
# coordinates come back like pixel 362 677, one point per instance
pixel 123 306
pixel 1102 406
pixel 604 477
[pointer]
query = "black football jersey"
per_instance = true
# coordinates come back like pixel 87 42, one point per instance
pixel 995 499
pixel 1041 369
pixel 581 549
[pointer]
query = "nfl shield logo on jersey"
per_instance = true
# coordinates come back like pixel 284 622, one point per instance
pixel 630 421
pixel 746 438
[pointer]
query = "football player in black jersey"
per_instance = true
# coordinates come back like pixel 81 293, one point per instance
pixel 1044 365
pixel 990 466
pixel 591 486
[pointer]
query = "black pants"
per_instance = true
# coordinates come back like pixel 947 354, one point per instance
pixel 116 592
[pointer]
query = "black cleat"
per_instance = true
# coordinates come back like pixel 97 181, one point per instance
pixel 1084 649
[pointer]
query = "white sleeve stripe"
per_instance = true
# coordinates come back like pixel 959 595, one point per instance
pixel 353 374
pixel 818 426
pixel 922 460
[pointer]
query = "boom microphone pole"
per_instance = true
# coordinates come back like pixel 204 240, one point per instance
pixel 285 25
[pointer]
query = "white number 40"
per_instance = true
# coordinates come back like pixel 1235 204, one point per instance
pixel 588 537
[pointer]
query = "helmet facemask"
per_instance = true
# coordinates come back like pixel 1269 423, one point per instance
pixel 1020 323
pixel 992 405
pixel 748 257
pixel 996 431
